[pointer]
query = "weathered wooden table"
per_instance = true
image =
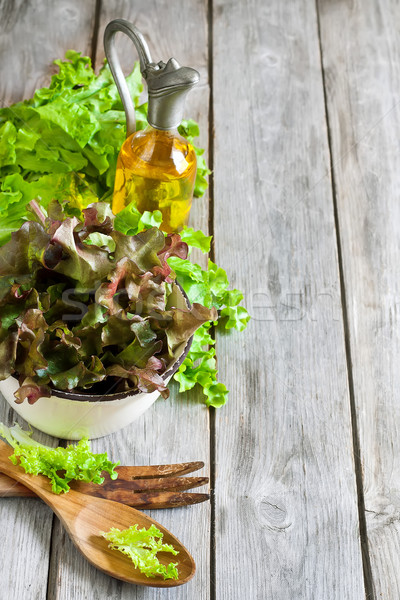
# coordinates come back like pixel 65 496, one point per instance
pixel 299 109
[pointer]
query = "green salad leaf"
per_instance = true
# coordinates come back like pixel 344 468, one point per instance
pixel 210 287
pixel 64 142
pixel 190 130
pixel 196 239
pixel 60 465
pixel 142 547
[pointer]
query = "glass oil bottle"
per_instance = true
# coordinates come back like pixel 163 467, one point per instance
pixel 156 168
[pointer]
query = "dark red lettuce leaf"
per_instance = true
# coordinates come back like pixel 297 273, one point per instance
pixel 80 376
pixel 146 380
pixel 23 254
pixel 150 300
pixel 30 391
pixel 73 313
pixel 135 354
pixel 173 247
pixel 98 218
pixel 185 322
pixel 118 331
pixel 142 248
pixel 84 264
pixel 123 279
pixel 31 335
pixel 8 353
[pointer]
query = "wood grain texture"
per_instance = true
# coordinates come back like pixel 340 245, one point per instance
pixel 286 502
pixel 25 534
pixel 175 430
pixel 363 79
pixel 32 35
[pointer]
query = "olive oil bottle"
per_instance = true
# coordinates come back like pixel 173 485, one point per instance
pixel 156 168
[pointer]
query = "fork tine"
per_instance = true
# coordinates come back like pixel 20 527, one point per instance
pixel 147 485
pixel 167 499
pixel 170 483
pixel 124 493
pixel 146 472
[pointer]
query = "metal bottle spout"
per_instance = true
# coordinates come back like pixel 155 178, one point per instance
pixel 167 83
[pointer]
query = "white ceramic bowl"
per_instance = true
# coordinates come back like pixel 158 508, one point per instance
pixel 72 416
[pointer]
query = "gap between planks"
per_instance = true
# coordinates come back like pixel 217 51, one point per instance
pixel 366 561
pixel 213 558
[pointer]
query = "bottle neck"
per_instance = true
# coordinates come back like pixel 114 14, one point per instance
pixel 165 112
pixel 173 132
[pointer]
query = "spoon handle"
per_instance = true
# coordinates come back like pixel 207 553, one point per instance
pixel 39 484
pixel 85 517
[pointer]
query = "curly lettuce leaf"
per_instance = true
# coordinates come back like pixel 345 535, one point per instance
pixel 142 547
pixel 190 130
pixel 130 221
pixel 196 239
pixel 79 315
pixel 64 142
pixel 60 465
pixel 210 287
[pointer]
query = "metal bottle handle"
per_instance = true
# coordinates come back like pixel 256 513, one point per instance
pixel 115 66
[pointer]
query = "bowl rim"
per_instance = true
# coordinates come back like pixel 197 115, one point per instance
pixel 109 397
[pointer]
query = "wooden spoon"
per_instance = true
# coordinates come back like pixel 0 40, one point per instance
pixel 85 516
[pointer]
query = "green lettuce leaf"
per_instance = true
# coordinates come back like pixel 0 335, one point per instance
pixel 196 239
pixel 64 142
pixel 60 465
pixel 190 130
pixel 142 547
pixel 210 287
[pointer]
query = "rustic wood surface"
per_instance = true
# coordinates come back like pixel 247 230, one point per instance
pixel 289 422
pixel 362 83
pixel 299 112
pixel 32 35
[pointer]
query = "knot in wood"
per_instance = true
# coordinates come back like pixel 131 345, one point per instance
pixel 274 513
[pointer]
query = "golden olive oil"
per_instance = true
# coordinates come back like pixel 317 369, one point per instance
pixel 156 170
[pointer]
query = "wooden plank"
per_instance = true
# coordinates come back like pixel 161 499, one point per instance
pixel 31 37
pixel 363 78
pixel 25 534
pixel 177 429
pixel 286 501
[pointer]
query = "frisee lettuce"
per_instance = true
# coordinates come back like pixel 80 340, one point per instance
pixel 142 546
pixel 209 287
pixel 63 143
pixel 60 465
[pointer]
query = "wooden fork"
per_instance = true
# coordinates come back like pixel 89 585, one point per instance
pixel 156 486
pixel 85 518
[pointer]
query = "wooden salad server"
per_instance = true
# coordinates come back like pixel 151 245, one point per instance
pixel 84 517
pixel 155 486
